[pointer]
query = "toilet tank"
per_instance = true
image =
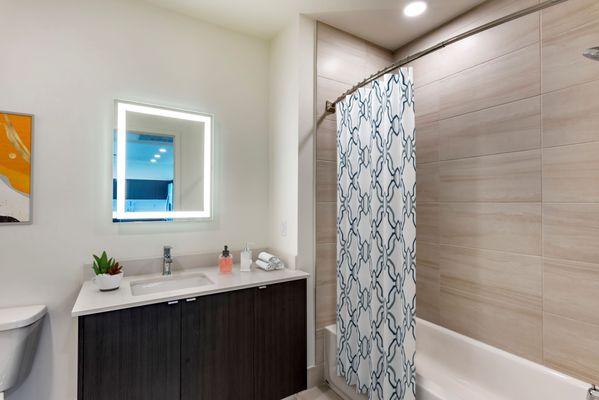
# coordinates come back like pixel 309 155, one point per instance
pixel 20 329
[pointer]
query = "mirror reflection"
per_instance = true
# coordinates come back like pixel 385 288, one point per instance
pixel 161 164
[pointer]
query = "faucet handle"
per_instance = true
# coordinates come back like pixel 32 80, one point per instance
pixel 167 250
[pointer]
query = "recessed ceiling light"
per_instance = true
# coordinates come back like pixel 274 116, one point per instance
pixel 162 150
pixel 414 8
pixel 157 156
pixel 152 160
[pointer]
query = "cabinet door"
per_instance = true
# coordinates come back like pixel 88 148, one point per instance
pixel 130 354
pixel 217 347
pixel 280 356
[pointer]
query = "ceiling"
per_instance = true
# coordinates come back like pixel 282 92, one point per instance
pixel 379 21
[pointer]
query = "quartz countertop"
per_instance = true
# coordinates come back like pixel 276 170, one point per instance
pixel 92 301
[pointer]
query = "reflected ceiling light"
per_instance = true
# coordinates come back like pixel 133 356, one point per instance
pixel 414 8
pixel 152 160
pixel 162 150
pixel 157 156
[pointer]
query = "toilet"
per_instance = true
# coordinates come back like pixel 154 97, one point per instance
pixel 20 329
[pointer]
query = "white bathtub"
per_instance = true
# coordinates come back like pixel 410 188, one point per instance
pixel 450 366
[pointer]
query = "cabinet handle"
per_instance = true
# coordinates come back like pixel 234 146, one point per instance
pixel 262 287
pixel 190 300
pixel 170 303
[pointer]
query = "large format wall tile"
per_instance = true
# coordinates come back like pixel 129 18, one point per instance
pixel 326 140
pixel 326 181
pixel 571 115
pixel 327 90
pixel 427 142
pixel 512 279
pixel 427 281
pixel 514 227
pixel 567 16
pixel 510 177
pixel 571 174
pixel 490 44
pixel 506 326
pixel 512 77
pixel 570 289
pixel 326 223
pixel 427 222
pixel 326 264
pixel 563 63
pixel 510 127
pixel 427 183
pixel 426 103
pixel 571 232
pixel 326 296
pixel 427 69
pixel 571 346
pixel 377 58
pixel 336 50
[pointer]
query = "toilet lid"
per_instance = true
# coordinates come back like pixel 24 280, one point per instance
pixel 18 317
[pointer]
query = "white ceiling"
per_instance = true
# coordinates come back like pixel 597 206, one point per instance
pixel 379 21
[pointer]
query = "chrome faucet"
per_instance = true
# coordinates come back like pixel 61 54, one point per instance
pixel 167 261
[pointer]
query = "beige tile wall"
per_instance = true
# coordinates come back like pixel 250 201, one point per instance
pixel 342 60
pixel 508 183
pixel 508 179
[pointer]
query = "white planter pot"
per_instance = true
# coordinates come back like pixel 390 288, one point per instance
pixel 107 282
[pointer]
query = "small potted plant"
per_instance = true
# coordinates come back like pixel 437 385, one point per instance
pixel 108 272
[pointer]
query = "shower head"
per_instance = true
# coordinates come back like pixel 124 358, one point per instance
pixel 592 53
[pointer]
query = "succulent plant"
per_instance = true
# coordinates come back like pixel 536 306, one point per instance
pixel 105 265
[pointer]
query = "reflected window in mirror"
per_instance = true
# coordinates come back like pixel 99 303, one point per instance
pixel 161 164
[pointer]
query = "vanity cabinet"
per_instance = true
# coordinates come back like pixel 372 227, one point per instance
pixel 130 354
pixel 245 344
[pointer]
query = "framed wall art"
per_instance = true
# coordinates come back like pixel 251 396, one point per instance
pixel 16 131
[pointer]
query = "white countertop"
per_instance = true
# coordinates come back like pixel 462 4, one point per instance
pixel 92 301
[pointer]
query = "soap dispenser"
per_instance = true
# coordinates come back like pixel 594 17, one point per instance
pixel 225 261
pixel 246 259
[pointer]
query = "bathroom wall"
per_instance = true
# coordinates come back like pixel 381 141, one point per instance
pixel 66 61
pixel 342 61
pixel 508 183
pixel 291 132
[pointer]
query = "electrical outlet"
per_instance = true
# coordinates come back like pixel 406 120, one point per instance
pixel 284 228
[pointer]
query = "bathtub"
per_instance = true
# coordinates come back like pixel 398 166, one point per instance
pixel 450 366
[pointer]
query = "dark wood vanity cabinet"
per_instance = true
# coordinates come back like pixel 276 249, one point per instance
pixel 246 344
pixel 130 354
pixel 217 346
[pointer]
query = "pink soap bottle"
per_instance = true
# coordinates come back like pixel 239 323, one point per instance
pixel 225 261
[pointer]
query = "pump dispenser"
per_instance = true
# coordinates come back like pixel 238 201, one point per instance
pixel 246 259
pixel 225 261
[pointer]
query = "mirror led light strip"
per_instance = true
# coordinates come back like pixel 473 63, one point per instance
pixel 121 161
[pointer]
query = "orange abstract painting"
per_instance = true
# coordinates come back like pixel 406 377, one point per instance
pixel 15 167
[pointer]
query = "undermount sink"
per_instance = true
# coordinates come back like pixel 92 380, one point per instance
pixel 168 283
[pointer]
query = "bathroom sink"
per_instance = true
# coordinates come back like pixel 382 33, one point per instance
pixel 168 283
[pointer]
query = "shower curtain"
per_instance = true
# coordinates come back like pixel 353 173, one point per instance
pixel 376 238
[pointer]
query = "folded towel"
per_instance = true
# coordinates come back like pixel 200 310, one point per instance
pixel 264 256
pixel 265 266
pixel 273 261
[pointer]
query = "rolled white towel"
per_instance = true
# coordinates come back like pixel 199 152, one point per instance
pixel 264 256
pixel 265 265
pixel 271 259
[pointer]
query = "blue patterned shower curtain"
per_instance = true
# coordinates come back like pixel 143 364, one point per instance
pixel 376 238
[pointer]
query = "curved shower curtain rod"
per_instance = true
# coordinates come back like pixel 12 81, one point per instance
pixel 330 105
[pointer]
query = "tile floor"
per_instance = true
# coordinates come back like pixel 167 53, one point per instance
pixel 317 393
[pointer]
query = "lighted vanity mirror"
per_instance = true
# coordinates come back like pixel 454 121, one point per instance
pixel 162 164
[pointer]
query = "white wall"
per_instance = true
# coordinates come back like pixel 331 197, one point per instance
pixel 306 174
pixel 66 61
pixel 291 149
pixel 283 140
